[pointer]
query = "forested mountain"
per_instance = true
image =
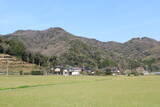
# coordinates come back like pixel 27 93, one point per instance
pixel 60 47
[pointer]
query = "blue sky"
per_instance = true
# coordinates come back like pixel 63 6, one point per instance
pixel 105 20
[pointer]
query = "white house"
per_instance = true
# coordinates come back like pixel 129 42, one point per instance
pixel 75 71
pixel 65 72
pixel 57 71
pixel 146 73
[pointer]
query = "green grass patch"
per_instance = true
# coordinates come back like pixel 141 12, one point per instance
pixel 81 91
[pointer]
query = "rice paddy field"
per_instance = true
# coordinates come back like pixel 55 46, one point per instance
pixel 79 91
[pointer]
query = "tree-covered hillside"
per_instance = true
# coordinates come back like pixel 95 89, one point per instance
pixel 55 46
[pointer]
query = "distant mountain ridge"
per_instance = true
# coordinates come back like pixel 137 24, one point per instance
pixel 58 42
pixel 48 42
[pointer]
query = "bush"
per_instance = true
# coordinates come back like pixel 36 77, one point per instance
pixel 36 73
pixel 135 73
pixel 26 73
pixel 108 71
pixel 99 73
pixel 21 72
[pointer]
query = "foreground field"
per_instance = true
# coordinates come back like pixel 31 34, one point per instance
pixel 82 91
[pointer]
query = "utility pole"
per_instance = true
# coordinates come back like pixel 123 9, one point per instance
pixel 7 67
pixel 32 64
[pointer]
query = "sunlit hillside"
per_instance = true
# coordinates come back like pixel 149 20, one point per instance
pixel 15 65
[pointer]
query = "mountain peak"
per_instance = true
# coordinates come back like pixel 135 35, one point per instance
pixel 55 29
pixel 148 39
pixel 23 32
pixel 26 32
pixel 142 39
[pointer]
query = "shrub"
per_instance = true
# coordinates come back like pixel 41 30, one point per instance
pixel 108 71
pixel 99 72
pixel 26 73
pixel 21 72
pixel 36 73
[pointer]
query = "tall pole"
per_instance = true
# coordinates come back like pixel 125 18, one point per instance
pixel 32 64
pixel 7 67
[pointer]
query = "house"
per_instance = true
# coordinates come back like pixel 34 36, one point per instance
pixel 75 71
pixel 65 72
pixel 146 73
pixel 87 70
pixel 115 71
pixel 142 71
pixel 57 71
pixel 72 71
